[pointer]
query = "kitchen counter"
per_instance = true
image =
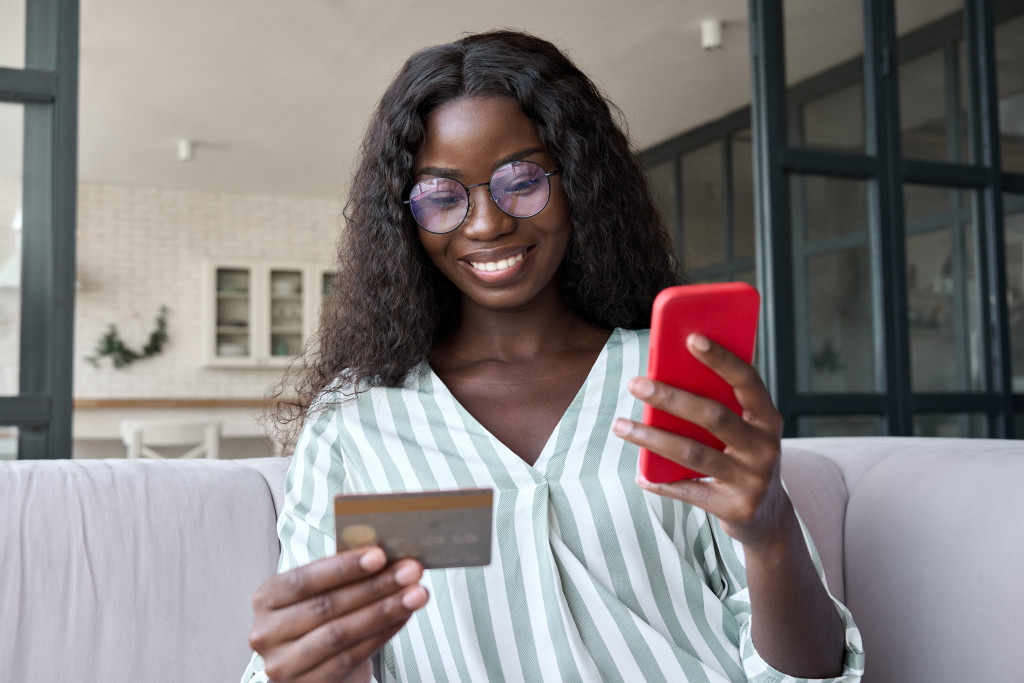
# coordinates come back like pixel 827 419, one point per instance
pixel 99 419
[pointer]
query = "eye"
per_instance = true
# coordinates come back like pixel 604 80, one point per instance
pixel 439 194
pixel 518 178
pixel 523 185
pixel 440 200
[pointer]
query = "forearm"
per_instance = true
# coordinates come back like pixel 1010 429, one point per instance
pixel 794 624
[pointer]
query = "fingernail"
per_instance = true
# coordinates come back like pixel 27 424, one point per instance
pixel 414 599
pixel 641 387
pixel 407 573
pixel 622 426
pixel 372 560
pixel 699 342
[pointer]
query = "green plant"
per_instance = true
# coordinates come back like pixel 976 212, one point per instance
pixel 110 344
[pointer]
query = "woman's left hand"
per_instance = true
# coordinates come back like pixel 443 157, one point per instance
pixel 746 494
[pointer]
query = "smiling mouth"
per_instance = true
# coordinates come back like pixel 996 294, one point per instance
pixel 492 266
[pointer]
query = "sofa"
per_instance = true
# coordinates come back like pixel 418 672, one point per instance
pixel 117 570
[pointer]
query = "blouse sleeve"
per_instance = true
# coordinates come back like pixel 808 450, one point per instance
pixel 306 525
pixel 737 601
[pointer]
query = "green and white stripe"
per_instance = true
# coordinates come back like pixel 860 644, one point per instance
pixel 591 579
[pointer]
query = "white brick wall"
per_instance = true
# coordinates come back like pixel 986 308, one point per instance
pixel 140 248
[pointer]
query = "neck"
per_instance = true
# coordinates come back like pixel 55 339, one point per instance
pixel 548 326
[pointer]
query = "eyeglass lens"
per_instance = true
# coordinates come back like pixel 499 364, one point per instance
pixel 520 189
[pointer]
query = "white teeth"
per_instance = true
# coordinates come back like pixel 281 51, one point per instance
pixel 504 264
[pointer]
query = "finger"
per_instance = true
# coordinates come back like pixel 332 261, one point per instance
pixel 346 663
pixel 318 576
pixel 302 617
pixel 700 410
pixel 749 388
pixel 339 635
pixel 706 495
pixel 680 449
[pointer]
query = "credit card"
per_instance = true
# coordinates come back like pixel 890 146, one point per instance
pixel 438 528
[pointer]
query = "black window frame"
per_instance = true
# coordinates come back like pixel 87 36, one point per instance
pixel 778 155
pixel 47 88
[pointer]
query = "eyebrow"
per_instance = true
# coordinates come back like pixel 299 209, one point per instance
pixel 445 172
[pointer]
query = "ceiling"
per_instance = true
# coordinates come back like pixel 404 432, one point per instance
pixel 276 94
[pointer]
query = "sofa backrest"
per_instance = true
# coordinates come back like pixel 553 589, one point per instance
pixel 116 570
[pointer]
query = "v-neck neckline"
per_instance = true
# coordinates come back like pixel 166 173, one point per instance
pixel 547 452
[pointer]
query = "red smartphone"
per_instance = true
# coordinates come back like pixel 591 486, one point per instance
pixel 726 313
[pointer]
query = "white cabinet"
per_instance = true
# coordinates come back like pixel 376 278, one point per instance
pixel 257 313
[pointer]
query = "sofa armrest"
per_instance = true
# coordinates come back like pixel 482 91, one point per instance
pixel 933 554
pixel 818 491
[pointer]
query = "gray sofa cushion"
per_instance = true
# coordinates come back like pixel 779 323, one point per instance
pixel 100 583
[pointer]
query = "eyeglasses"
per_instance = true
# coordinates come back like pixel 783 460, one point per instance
pixel 521 189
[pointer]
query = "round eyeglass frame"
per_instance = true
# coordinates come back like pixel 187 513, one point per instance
pixel 469 206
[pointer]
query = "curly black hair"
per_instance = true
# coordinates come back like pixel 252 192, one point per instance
pixel 386 314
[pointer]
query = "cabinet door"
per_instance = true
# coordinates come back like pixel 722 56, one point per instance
pixel 229 338
pixel 319 284
pixel 287 314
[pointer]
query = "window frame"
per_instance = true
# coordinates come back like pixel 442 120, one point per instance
pixel 48 90
pixel 778 155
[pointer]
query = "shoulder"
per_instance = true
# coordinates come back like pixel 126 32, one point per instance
pixel 632 343
pixel 341 394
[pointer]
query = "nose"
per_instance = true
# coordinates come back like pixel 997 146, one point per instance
pixel 485 221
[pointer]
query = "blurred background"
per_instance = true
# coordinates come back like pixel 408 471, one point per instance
pixel 213 144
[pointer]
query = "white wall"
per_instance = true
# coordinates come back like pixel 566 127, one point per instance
pixel 140 248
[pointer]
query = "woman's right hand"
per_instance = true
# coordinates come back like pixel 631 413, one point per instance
pixel 323 621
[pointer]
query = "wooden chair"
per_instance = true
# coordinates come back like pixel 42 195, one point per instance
pixel 141 435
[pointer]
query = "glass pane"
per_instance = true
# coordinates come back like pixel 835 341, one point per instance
pixel 846 425
pixel 929 132
pixel 233 311
pixel 942 291
pixel 836 121
pixel 285 312
pixel 708 278
pixel 11 127
pixel 749 276
pixel 12 34
pixel 1010 83
pixel 663 186
pixel 963 132
pixel 973 425
pixel 840 354
pixel 832 275
pixel 742 195
pixel 818 36
pixel 913 14
pixel 703 207
pixel 833 207
pixel 8 443
pixel 1013 207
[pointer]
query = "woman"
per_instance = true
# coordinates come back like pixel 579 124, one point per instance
pixel 501 257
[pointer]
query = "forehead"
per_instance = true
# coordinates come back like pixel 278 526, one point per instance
pixel 473 131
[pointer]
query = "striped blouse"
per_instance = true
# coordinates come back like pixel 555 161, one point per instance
pixel 591 579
